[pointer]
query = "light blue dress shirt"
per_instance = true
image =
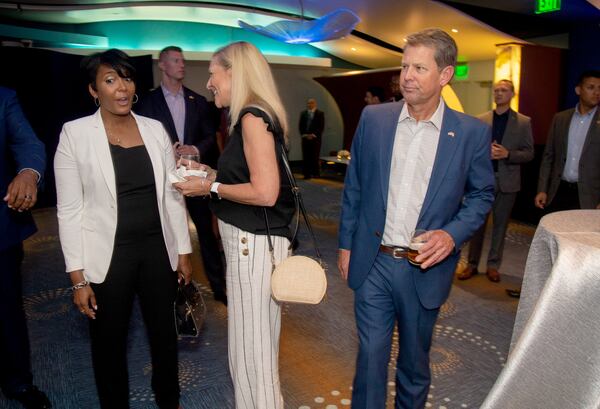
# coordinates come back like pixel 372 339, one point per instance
pixel 176 104
pixel 578 129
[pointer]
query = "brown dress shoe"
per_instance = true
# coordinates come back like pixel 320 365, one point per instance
pixel 467 273
pixel 493 275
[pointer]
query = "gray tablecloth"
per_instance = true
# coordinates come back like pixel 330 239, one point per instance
pixel 554 362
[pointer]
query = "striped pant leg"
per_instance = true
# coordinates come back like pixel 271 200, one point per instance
pixel 254 318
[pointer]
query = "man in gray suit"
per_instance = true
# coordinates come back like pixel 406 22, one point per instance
pixel 512 145
pixel 570 169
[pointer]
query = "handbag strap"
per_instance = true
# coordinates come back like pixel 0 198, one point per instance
pixel 299 208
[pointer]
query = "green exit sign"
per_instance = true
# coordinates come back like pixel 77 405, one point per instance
pixel 546 6
pixel 461 72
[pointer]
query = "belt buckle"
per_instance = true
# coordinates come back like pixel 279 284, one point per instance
pixel 397 252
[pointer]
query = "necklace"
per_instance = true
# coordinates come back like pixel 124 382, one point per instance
pixel 124 126
pixel 111 137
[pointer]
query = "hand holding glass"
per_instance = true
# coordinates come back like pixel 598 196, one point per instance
pixel 419 238
pixel 189 165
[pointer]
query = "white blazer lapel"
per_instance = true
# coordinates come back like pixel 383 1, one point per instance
pixel 100 143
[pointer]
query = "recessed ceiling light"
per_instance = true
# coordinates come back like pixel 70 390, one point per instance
pixel 353 49
pixel 454 30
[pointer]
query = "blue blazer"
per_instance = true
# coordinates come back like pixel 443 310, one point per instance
pixel 19 149
pixel 459 196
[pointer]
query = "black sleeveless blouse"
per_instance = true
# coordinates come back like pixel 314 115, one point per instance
pixel 233 169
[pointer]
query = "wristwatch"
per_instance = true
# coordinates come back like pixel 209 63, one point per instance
pixel 214 191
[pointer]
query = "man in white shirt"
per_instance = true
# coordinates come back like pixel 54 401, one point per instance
pixel 416 164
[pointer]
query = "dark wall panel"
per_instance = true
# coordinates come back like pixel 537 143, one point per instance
pixel 349 93
pixel 52 90
pixel 541 96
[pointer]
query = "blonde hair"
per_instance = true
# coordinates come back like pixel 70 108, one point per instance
pixel 252 83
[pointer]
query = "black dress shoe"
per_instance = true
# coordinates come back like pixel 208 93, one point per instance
pixel 33 398
pixel 513 293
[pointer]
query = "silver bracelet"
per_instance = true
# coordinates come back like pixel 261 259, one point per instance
pixel 80 285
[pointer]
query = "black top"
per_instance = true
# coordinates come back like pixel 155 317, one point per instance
pixel 498 127
pixel 233 169
pixel 137 208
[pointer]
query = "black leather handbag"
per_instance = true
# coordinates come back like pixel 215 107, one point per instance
pixel 190 310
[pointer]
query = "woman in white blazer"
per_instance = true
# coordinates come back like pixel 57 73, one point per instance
pixel 123 229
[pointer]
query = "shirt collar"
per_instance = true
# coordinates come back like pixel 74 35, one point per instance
pixel 167 93
pixel 436 119
pixel 590 113
pixel 504 114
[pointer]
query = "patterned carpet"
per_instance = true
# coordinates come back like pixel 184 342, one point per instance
pixel 318 344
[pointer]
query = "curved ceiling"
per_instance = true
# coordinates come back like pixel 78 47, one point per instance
pixel 377 41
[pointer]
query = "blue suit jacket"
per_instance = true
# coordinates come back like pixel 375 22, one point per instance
pixel 19 149
pixel 459 196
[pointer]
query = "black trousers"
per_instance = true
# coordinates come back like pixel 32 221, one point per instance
pixel 140 268
pixel 311 149
pixel 566 198
pixel 15 363
pixel 209 246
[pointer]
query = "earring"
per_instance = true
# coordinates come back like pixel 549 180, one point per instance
pixel 135 98
pixel 96 101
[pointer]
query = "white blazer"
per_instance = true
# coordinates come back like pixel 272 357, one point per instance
pixel 87 198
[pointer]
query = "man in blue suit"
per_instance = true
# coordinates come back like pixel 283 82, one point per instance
pixel 23 163
pixel 415 165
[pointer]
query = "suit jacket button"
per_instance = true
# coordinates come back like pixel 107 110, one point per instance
pixel 244 240
pixel 245 252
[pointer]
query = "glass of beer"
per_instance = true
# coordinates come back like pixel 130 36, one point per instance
pixel 418 238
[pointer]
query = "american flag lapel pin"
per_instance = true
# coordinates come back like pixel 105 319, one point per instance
pixel 451 134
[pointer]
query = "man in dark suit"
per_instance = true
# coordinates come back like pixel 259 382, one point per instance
pixel 375 95
pixel 512 145
pixel 312 123
pixel 186 117
pixel 23 164
pixel 570 169
pixel 415 164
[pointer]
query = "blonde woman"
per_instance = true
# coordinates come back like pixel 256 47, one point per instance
pixel 250 179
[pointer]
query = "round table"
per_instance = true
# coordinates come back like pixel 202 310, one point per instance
pixel 554 360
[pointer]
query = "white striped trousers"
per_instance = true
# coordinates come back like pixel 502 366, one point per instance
pixel 254 318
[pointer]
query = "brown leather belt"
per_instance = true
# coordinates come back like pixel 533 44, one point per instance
pixel 396 252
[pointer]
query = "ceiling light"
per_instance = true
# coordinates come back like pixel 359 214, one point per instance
pixel 336 24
